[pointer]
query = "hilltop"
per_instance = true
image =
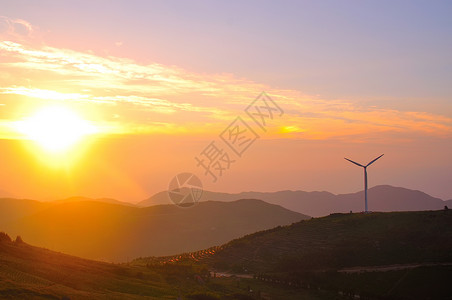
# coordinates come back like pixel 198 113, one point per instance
pixel 342 241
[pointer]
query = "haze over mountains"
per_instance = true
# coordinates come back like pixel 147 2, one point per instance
pixel 116 232
pixel 316 204
pixel 108 229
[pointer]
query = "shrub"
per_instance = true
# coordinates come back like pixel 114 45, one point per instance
pixel 4 237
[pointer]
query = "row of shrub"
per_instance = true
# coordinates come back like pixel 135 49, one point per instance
pixel 4 237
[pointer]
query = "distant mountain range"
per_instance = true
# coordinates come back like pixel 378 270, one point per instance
pixel 116 232
pixel 108 229
pixel 381 198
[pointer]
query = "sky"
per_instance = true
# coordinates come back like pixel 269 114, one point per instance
pixel 145 90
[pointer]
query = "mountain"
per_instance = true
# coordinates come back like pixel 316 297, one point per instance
pixel 316 204
pixel 115 232
pixel 15 209
pixel 12 209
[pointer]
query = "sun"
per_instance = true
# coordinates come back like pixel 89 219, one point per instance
pixel 56 129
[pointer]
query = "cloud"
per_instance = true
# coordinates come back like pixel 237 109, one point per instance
pixel 110 71
pixel 15 28
pixel 149 95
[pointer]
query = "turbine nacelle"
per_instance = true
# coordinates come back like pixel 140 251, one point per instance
pixel 358 164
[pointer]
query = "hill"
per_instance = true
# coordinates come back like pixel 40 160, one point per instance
pixel 397 255
pixel 16 209
pixel 29 272
pixel 115 232
pixel 12 209
pixel 316 204
pixel 401 255
pixel 345 240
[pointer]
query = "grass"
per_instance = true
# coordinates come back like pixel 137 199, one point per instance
pixel 28 271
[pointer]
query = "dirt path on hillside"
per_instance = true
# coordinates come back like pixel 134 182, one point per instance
pixel 390 267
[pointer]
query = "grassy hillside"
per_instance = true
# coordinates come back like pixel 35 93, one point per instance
pixel 399 255
pixel 114 232
pixel 28 272
pixel 402 255
pixel 344 240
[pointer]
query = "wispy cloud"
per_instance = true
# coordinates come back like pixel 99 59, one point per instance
pixel 155 97
pixel 15 28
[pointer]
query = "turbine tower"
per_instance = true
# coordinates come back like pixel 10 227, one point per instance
pixel 365 176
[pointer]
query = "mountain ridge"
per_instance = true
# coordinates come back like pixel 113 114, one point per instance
pixel 322 203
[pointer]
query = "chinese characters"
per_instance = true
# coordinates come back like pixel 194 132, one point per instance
pixel 238 137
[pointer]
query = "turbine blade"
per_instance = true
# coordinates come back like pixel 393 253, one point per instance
pixel 374 160
pixel 354 162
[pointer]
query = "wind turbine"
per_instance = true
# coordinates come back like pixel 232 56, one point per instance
pixel 365 175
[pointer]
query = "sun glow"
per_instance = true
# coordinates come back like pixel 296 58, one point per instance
pixel 56 129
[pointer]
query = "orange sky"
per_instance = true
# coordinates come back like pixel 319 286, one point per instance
pixel 153 119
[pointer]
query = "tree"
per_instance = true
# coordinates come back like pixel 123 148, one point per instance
pixel 4 237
